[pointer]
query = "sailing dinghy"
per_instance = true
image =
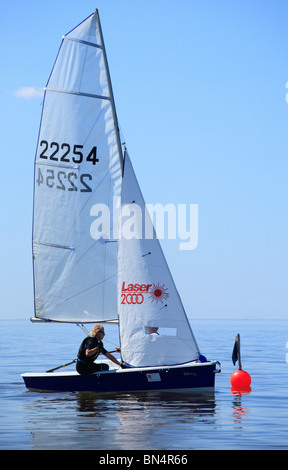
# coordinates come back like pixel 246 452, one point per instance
pixel 87 266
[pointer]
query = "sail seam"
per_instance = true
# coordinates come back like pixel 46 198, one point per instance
pixel 79 93
pixel 87 43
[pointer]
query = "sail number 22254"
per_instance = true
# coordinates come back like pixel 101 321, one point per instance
pixel 67 153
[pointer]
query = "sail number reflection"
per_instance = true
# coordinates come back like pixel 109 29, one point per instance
pixel 64 181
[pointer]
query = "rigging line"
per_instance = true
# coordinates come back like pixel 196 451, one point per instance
pixel 59 284
pixel 85 253
pixel 88 249
pixel 83 328
pixel 81 292
pixel 122 137
pixel 111 342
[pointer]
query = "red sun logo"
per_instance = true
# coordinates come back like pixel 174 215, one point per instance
pixel 158 293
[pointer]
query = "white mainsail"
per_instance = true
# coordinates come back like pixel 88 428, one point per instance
pixel 78 163
pixel 78 167
pixel 154 329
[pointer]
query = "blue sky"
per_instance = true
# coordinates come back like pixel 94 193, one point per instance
pixel 200 90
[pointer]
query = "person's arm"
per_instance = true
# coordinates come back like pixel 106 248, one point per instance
pixel 112 358
pixel 90 348
pixel 90 352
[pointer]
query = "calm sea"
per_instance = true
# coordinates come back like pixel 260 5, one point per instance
pixel 223 420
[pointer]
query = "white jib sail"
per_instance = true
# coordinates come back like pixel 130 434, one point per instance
pixel 78 164
pixel 154 329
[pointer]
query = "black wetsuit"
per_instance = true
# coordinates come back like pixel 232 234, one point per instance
pixel 85 365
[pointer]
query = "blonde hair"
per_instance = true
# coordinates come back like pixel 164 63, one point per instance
pixel 95 330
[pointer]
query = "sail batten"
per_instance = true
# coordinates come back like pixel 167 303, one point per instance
pixel 80 41
pixel 54 245
pixel 79 93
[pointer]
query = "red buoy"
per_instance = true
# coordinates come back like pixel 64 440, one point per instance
pixel 240 378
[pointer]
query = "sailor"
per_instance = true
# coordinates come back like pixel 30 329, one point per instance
pixel 90 349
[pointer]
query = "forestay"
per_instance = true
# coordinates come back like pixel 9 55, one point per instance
pixel 154 329
pixel 78 164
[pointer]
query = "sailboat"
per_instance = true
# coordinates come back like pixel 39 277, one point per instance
pixel 91 264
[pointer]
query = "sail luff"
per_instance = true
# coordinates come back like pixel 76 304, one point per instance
pixel 33 209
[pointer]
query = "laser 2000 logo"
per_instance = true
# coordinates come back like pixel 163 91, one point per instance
pixel 135 293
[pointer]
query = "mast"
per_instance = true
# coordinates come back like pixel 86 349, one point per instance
pixel 115 120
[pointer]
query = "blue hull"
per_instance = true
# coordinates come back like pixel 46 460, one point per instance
pixel 187 377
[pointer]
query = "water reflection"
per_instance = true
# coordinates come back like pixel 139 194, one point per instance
pixel 145 421
pixel 112 421
pixel 238 409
